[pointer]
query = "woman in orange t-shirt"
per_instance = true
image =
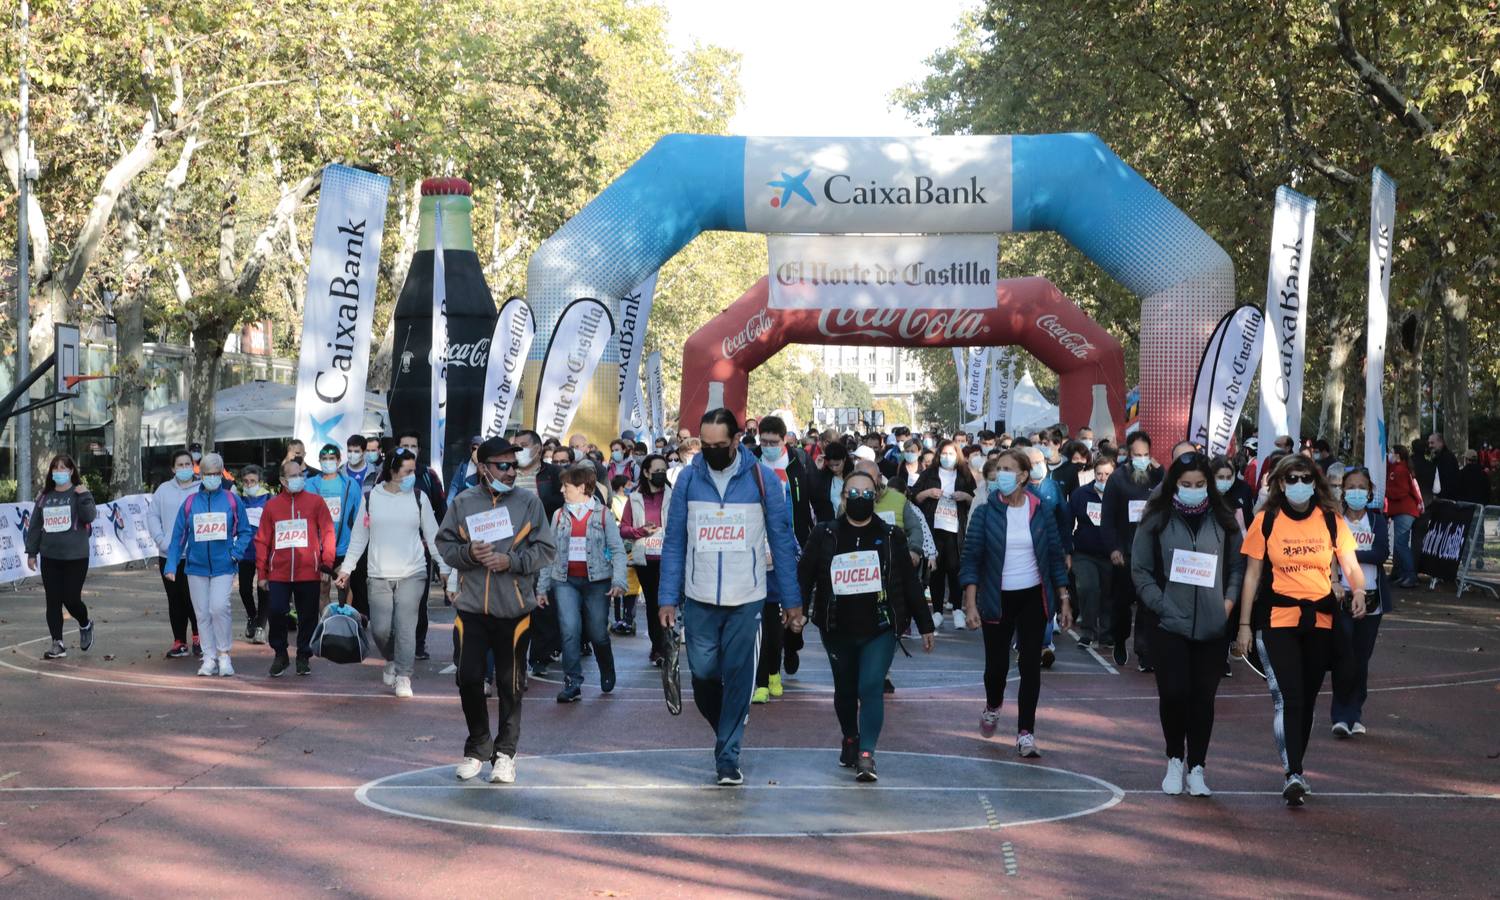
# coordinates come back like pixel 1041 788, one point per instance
pixel 1299 532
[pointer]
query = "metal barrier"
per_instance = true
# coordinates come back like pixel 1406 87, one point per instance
pixel 1480 568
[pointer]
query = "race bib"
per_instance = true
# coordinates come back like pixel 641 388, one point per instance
pixel 720 531
pixel 945 518
pixel 490 526
pixel 578 549
pixel 291 534
pixel 855 573
pixel 653 542
pixel 1096 513
pixel 335 507
pixel 210 526
pixel 1135 509
pixel 57 518
pixel 888 516
pixel 253 515
pixel 1193 568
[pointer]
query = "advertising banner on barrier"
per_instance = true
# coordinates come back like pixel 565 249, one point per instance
pixel 1224 378
pixel 573 354
pixel 1285 337
pixel 974 380
pixel 515 329
pixel 340 307
pixel 810 271
pixel 119 534
pixel 1382 236
pixel 635 310
pixel 1441 535
pixel 439 348
pixel 655 391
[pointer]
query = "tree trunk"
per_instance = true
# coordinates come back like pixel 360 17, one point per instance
pixel 209 335
pixel 1455 382
pixel 130 336
pixel 1331 415
pixel 1407 356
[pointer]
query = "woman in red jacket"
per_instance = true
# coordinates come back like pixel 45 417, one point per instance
pixel 1403 504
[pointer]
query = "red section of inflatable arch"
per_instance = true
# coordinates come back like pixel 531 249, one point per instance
pixel 1030 312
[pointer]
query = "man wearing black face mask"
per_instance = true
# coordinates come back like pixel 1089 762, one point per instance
pixel 785 460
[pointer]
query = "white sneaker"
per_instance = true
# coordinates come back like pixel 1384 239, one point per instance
pixel 503 771
pixel 1196 784
pixel 1026 746
pixel 468 768
pixel 210 667
pixel 937 620
pixel 1172 783
pixel 1358 728
pixel 225 669
pixel 1341 730
pixel 959 623
pixel 403 686
pixel 389 674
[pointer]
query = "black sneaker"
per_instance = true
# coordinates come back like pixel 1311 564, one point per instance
pixel 864 768
pixel 1085 643
pixel 58 650
pixel 730 776
pixel 304 667
pixel 791 663
pixel 1049 656
pixel 1144 667
pixel 571 693
pixel 422 653
pixel 617 628
pixel 849 752
pixel 1228 669
pixel 1295 790
pixel 280 665
pixel 197 648
pixel 178 651
pixel 1121 655
pixel 888 687
pixel 629 629
pixel 606 682
pixel 250 630
pixel 86 636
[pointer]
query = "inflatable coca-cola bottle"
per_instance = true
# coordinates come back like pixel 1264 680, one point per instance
pixel 471 321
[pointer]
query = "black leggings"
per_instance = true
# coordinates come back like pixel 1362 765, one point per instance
pixel 179 603
pixel 945 577
pixel 1023 616
pixel 63 581
pixel 250 592
pixel 649 576
pixel 1187 681
pixel 1295 662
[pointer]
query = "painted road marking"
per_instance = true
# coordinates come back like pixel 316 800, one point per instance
pixel 1073 633
pixel 1010 858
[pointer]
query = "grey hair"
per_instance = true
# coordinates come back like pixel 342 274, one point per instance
pixel 211 461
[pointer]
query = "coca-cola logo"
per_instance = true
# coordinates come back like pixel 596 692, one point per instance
pixel 1072 341
pixel 474 354
pixel 945 325
pixel 759 324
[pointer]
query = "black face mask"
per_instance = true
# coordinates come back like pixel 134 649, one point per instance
pixel 719 458
pixel 858 509
pixel 658 479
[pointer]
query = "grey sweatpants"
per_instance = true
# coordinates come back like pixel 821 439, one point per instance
pixel 393 618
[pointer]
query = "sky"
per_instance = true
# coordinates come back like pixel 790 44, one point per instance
pixel 821 68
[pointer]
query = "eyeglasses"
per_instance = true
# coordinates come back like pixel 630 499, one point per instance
pixel 1304 478
pixel 860 495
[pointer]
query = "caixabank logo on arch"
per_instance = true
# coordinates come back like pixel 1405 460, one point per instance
pixel 878 185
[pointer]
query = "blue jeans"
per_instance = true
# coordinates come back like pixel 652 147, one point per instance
pixel 581 604
pixel 1406 561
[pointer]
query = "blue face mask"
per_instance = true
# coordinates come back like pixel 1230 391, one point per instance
pixel 909 457
pixel 499 486
pixel 61 479
pixel 372 457
pixel 1141 463
pixel 185 473
pixel 1005 482
pixel 617 456
pixel 408 482
pixel 296 483
pixel 1356 498
pixel 1299 493
pixel 1223 485
pixel 1038 471
pixel 1192 496
pixel 772 454
pixel 212 482
pixel 927 443
pixel 947 461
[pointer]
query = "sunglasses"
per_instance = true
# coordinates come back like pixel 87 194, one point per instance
pixel 502 466
pixel 1304 478
pixel 860 495
pixel 1190 458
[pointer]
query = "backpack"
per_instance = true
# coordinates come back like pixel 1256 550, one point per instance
pixel 234 513
pixel 341 637
pixel 1261 614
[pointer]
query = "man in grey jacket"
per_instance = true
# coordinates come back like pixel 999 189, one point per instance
pixel 496 536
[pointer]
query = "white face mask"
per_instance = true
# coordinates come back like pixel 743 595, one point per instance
pixel 524 457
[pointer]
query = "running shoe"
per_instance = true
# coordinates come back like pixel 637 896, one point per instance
pixel 1144 668
pixel 774 686
pixel 250 630
pixel 304 666
pixel 58 650
pixel 1121 655
pixel 225 669
pixel 260 635
pixel 864 768
pixel 937 619
pixel 86 636
pixel 1085 643
pixel 1026 746
pixel 730 776
pixel 1049 656
pixel 388 674
pixel 178 651
pixel 617 628
pixel 988 721
pixel 959 621
pixel 197 648
pixel 849 751
pixel 1295 790
pixel 468 768
pixel 1228 669
pixel 607 681
pixel 422 653
pixel 571 693
pixel 1171 784
pixel 504 770
pixel 539 670
pixel 654 659
pixel 792 662
pixel 403 687
pixel 1341 730
pixel 1196 784
pixel 210 667
pixel 1358 728
pixel 761 695
pixel 280 665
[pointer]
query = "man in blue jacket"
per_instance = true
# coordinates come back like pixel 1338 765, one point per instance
pixel 726 508
pixel 212 533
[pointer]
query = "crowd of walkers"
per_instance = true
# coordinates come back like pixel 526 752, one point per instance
pixel 732 539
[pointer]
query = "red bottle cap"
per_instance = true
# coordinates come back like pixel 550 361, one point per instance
pixel 439 186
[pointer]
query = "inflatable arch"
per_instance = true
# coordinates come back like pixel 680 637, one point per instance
pixel 1030 312
pixel 1071 184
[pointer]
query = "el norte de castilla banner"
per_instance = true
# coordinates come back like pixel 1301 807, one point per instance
pixel 573 353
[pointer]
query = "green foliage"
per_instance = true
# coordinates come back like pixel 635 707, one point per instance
pixel 7 490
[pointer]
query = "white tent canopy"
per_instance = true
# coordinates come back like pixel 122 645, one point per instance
pixel 255 411
pixel 1029 410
